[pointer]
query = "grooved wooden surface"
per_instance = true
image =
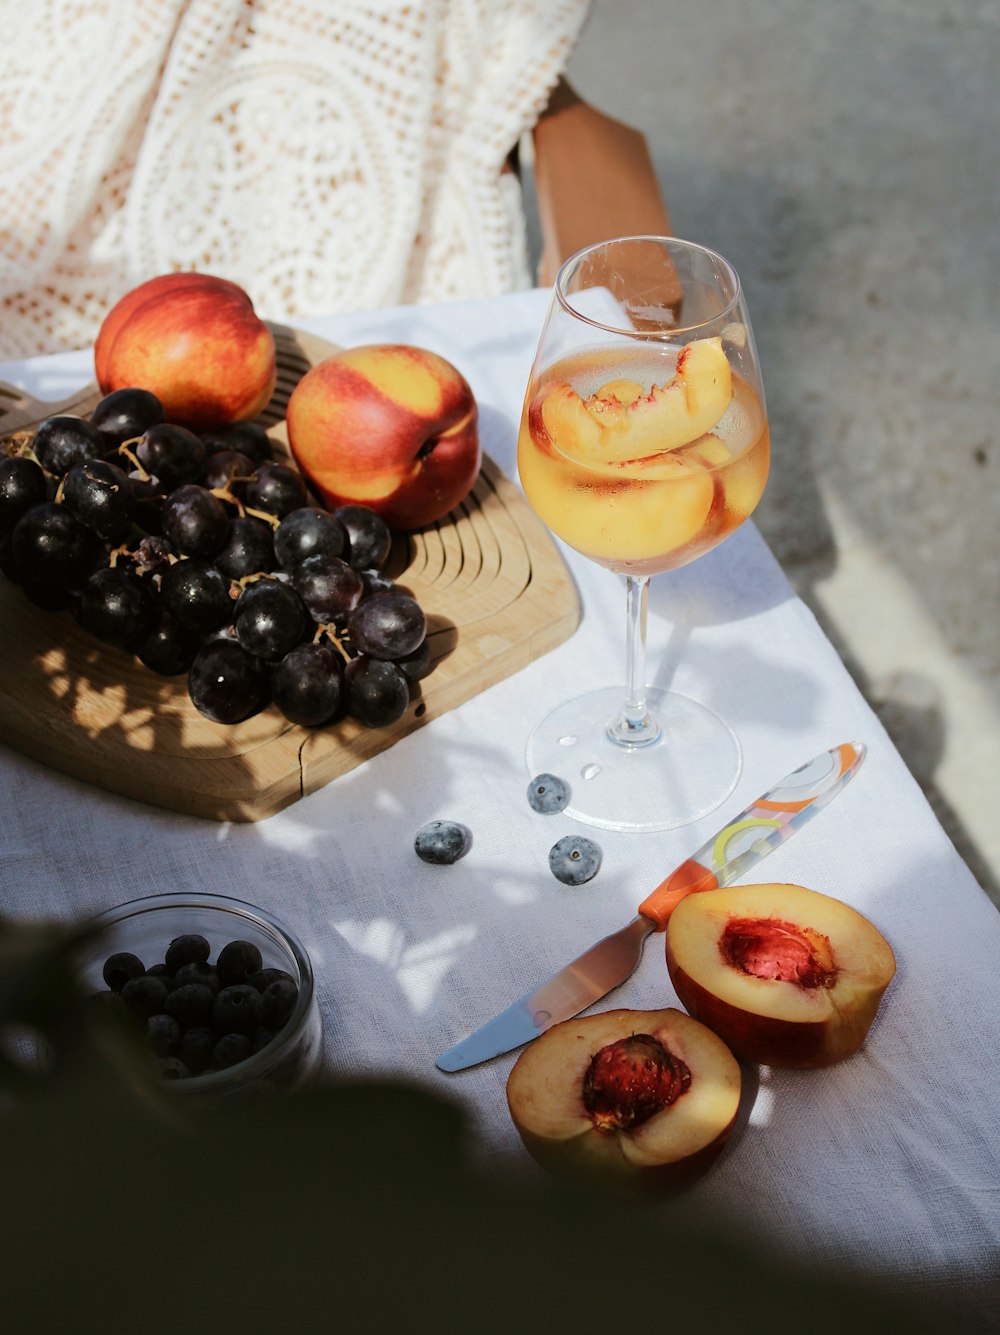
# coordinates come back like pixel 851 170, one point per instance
pixel 490 580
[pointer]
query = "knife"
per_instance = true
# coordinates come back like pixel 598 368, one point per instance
pixel 738 846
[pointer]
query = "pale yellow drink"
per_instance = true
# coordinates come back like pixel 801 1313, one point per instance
pixel 637 478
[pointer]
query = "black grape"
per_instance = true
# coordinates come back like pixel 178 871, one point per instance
pixel 52 597
pixel 226 683
pixel 329 587
pixel 194 521
pixel 117 606
pixel 387 625
pixel 375 693
pixel 22 485
pixel 270 618
pixel 100 496
pixel 249 438
pixel 306 684
pixel 276 489
pixel 223 466
pixel 248 549
pixel 198 586
pixel 197 594
pixel 124 414
pixel 148 496
pixel 64 440
pixel 173 454
pixel 168 647
pixel 368 534
pixel 375 581
pixel 416 665
pixel 305 532
pixel 8 563
pixel 51 546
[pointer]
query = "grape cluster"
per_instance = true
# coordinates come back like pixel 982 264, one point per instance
pixel 204 554
pixel 199 1017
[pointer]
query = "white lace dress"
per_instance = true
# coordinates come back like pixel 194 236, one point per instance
pixel 328 155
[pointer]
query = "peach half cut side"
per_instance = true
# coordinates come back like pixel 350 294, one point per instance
pixel 786 976
pixel 639 1100
pixel 618 425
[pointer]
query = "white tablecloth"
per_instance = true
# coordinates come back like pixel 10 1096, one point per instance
pixel 891 1159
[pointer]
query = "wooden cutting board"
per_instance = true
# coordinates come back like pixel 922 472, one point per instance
pixel 492 584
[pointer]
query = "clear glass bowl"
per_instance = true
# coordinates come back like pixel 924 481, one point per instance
pixel 145 927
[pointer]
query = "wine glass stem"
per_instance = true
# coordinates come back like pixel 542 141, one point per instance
pixel 634 725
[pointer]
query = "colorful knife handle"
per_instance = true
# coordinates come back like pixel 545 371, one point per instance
pixel 765 824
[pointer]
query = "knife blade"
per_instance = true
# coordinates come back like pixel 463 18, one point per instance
pixel 727 855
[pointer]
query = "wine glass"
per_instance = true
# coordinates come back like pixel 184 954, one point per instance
pixel 643 444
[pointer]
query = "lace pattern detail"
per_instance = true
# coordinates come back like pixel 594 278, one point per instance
pixel 328 155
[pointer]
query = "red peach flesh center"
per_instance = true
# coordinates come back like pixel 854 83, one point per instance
pixel 769 948
pixel 630 1080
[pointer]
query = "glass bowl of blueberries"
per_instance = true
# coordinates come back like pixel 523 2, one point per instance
pixel 222 992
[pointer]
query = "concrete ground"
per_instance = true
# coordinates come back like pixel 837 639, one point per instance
pixel 846 158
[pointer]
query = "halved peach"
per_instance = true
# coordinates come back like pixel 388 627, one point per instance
pixel 643 1100
pixel 619 425
pixel 784 975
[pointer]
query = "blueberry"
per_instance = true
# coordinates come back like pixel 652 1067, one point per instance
pixel 163 1033
pixel 144 995
pixel 574 859
pixel 190 1004
pixel 172 1068
pixel 161 971
pixel 189 949
pixel 238 961
pixel 547 794
pixel 195 1047
pixel 198 972
pixel 261 1038
pixel 120 967
pixel 277 1003
pixel 230 1049
pixel 236 1009
pixel 442 842
pixel 263 980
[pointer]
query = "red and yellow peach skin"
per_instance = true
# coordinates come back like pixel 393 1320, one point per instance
pixel 194 341
pixel 390 426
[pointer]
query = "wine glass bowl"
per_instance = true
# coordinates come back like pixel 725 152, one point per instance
pixel 643 445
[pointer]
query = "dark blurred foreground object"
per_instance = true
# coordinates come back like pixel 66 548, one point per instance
pixel 357 1204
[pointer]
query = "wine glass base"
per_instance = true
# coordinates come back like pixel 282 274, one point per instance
pixel 689 771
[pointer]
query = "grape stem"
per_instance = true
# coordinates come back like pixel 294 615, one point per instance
pixel 227 494
pixel 330 631
pixel 125 449
pixel 19 444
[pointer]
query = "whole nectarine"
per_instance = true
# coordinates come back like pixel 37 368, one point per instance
pixel 785 975
pixel 194 341
pixel 390 426
pixel 643 1100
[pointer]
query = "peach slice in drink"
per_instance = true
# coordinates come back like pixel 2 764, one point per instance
pixel 666 518
pixel 607 429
